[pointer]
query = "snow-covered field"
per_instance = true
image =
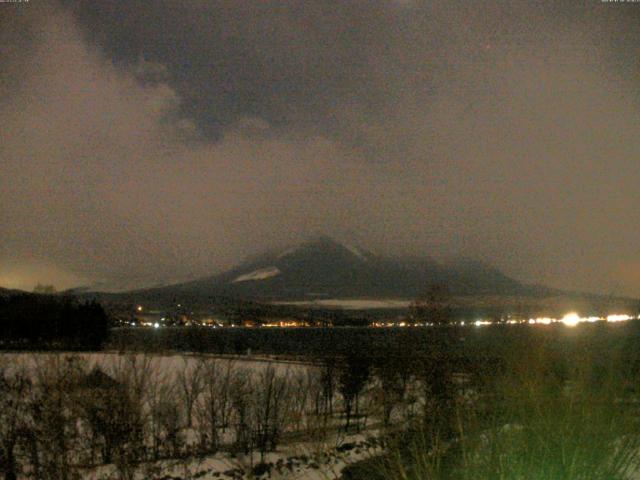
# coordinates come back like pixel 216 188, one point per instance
pixel 166 364
pixel 278 397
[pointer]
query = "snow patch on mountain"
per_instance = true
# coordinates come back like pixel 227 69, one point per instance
pixel 354 250
pixel 288 251
pixel 350 304
pixel 260 274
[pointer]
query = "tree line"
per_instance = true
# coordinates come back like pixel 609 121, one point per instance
pixel 51 321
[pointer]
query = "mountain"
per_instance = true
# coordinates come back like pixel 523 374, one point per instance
pixel 324 268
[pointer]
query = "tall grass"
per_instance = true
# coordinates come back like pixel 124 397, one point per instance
pixel 546 417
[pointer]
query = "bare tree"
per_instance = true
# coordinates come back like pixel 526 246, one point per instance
pixel 190 384
pixel 133 373
pixel 328 380
pixel 54 416
pixel 134 370
pixel 157 384
pixel 392 374
pixel 214 408
pixel 207 410
pixel 224 393
pixel 354 374
pixel 97 403
pixel 439 393
pixel 44 289
pixel 433 307
pixel 167 415
pixel 15 389
pixel 301 392
pixel 270 408
pixel 240 394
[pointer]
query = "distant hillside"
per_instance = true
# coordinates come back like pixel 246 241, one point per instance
pixel 6 292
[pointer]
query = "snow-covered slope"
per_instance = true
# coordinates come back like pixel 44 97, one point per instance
pixel 260 274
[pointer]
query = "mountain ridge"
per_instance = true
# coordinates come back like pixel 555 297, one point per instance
pixel 323 268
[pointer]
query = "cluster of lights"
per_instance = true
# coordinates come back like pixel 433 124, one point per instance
pixel 620 318
pixel 570 320
pixel 400 324
pixel 148 324
pixel 283 324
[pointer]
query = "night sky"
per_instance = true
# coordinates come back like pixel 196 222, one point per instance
pixel 148 142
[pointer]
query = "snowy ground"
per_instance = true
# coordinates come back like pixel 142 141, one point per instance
pixel 293 459
pixel 298 461
pixel 167 363
pixel 297 455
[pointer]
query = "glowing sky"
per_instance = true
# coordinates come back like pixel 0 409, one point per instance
pixel 145 142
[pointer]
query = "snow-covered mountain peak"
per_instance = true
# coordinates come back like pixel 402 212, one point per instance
pixel 324 246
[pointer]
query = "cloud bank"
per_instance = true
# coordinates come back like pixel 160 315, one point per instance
pixel 148 143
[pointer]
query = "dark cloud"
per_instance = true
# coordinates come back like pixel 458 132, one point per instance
pixel 151 141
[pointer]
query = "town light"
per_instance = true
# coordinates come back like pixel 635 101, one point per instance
pixel 571 319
